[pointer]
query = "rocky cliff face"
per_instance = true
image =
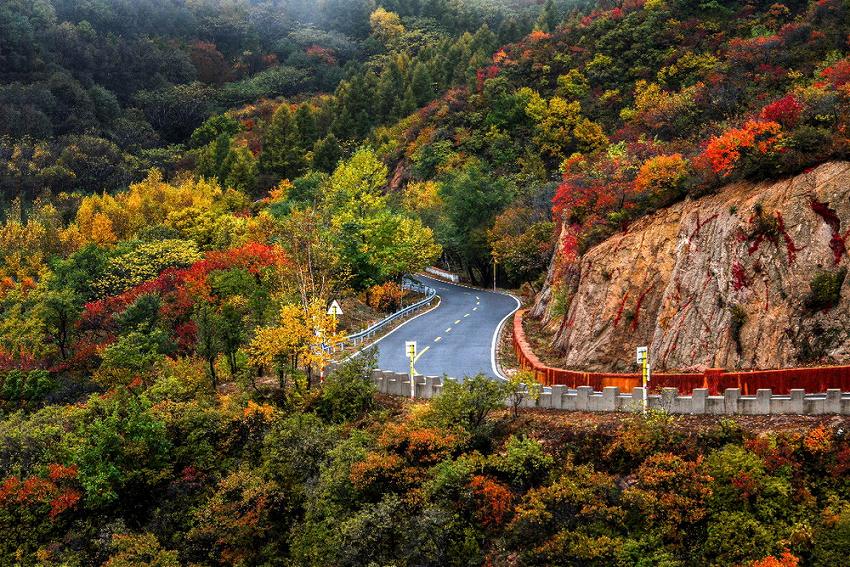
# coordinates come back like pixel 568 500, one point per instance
pixel 745 278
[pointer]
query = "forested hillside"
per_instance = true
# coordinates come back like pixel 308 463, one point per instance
pixel 93 94
pixel 187 185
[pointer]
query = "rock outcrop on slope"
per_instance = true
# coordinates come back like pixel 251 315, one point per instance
pixel 745 278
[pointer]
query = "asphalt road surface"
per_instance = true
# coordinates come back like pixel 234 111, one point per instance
pixel 456 338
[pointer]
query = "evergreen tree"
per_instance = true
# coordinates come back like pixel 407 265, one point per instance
pixel 421 84
pixel 548 19
pixel 283 153
pixel 326 153
pixel 390 92
pixel 242 170
pixel 408 103
pixel 509 31
pixel 306 122
pixel 211 158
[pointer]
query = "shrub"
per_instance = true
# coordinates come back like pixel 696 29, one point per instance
pixel 469 403
pixel 743 150
pixel 20 387
pixel 523 463
pixel 737 321
pixel 386 297
pixel 348 392
pixel 521 386
pixel 663 176
pixel 825 290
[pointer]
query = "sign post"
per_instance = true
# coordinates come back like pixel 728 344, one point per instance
pixel 334 311
pixel 643 359
pixel 410 351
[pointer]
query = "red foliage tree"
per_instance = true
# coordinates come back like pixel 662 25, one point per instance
pixel 785 111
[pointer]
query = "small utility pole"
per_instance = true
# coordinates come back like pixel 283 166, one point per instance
pixel 494 273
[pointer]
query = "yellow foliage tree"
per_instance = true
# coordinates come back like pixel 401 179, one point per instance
pixel 145 204
pixel 301 338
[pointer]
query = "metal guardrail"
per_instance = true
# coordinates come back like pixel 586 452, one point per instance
pixel 408 283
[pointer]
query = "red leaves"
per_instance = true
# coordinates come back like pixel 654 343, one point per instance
pixel 182 287
pixel 838 74
pixel 785 111
pixel 484 74
pixel 787 559
pixel 323 54
pixel 724 152
pixel 53 492
pixel 495 499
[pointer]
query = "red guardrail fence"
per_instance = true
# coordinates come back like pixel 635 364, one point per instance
pixel 812 380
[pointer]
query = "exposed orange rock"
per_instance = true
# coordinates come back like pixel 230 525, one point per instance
pixel 672 280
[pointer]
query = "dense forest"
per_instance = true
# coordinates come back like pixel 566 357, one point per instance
pixel 187 184
pixel 93 94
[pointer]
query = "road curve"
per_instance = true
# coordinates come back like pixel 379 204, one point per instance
pixel 459 334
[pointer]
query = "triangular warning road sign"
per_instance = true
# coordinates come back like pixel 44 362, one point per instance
pixel 335 309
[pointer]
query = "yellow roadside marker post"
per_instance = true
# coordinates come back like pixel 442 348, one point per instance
pixel 410 349
pixel 643 360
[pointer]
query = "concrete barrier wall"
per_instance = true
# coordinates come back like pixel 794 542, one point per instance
pixel 442 274
pixel 699 402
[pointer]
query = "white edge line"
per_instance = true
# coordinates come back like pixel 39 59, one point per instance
pixel 501 324
pixel 370 345
pixel 498 333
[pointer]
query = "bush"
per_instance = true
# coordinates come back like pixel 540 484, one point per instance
pixel 523 463
pixel 469 403
pixel 826 290
pixel 386 297
pixel 737 321
pixel 348 393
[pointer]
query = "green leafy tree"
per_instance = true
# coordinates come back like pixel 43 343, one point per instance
pixel 472 200
pixel 348 392
pixel 208 341
pixel 122 451
pixel 468 403
pixel 212 128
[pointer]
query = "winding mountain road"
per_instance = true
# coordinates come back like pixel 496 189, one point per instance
pixel 458 338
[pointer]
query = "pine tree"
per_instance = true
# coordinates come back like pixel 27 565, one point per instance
pixel 408 103
pixel 390 92
pixel 548 19
pixel 283 153
pixel 421 84
pixel 509 31
pixel 306 122
pixel 211 158
pixel 326 153
pixel 242 167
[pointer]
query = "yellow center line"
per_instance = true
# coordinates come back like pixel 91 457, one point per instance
pixel 457 322
pixel 449 330
pixel 438 339
pixel 467 315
